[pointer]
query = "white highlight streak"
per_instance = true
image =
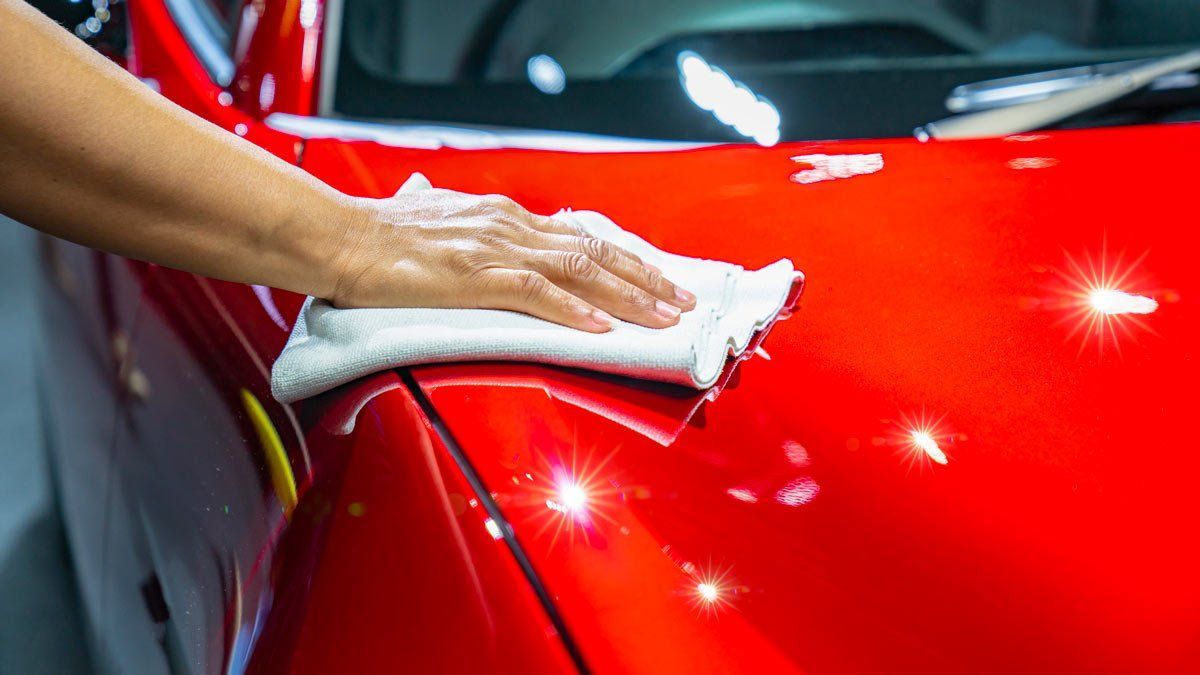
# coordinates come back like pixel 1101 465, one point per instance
pixel 798 492
pixel 1112 301
pixel 829 167
pixel 926 442
pixel 493 529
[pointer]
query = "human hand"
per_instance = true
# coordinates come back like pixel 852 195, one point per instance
pixel 441 248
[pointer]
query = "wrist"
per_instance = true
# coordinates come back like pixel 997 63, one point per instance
pixel 310 246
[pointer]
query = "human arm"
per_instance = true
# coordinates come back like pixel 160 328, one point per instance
pixel 89 154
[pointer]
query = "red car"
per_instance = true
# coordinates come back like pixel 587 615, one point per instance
pixel 971 449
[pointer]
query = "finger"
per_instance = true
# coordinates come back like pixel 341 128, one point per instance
pixel 558 227
pixel 580 275
pixel 630 268
pixel 529 292
pixel 551 225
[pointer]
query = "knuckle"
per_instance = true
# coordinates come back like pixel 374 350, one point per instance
pixel 490 235
pixel 599 250
pixel 577 265
pixel 473 260
pixel 635 296
pixel 654 279
pixel 500 229
pixel 532 287
pixel 568 228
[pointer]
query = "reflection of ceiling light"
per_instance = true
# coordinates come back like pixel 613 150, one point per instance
pixel 730 101
pixel 493 529
pixel 742 495
pixel 572 497
pixel 926 442
pixel 1095 303
pixel 266 93
pixel 920 437
pixel 308 14
pixel 569 498
pixel 798 492
pixel 710 590
pixel 546 74
pixel 1112 301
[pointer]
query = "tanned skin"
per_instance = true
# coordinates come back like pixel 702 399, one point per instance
pixel 90 154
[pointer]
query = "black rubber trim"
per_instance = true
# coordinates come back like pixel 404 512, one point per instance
pixel 489 505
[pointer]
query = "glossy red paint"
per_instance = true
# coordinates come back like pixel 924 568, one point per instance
pixel 939 295
pixel 392 565
pixel 277 52
pixel 160 55
pixel 387 562
pixel 1056 538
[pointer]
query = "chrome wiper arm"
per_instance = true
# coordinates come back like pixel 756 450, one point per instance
pixel 1006 91
pixel 1022 117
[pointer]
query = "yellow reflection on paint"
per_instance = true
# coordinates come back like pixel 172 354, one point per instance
pixel 282 479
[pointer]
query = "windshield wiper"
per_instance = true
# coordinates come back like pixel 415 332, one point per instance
pixel 1056 107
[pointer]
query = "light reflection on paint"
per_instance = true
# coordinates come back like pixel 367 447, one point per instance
pixel 1113 301
pixel 268 304
pixel 920 440
pixel 493 529
pixel 743 495
pixel 927 443
pixel 798 492
pixel 573 497
pixel 1024 163
pixel 1100 301
pixel 833 167
pixel 308 55
pixel 308 13
pixel 796 454
pixel 710 589
pixel 578 496
pixel 266 93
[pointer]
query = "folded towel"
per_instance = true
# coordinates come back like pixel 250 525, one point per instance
pixel 330 346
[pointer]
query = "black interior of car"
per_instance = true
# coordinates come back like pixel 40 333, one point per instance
pixel 876 68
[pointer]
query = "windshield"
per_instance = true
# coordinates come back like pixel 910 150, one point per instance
pixel 722 70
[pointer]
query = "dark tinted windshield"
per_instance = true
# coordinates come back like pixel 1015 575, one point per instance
pixel 721 69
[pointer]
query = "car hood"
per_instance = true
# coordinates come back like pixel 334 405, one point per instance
pixel 947 459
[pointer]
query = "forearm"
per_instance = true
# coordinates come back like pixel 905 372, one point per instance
pixel 89 154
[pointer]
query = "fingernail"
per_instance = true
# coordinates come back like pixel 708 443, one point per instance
pixel 664 310
pixel 602 319
pixel 684 296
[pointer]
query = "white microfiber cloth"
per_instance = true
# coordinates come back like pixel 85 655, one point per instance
pixel 329 346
